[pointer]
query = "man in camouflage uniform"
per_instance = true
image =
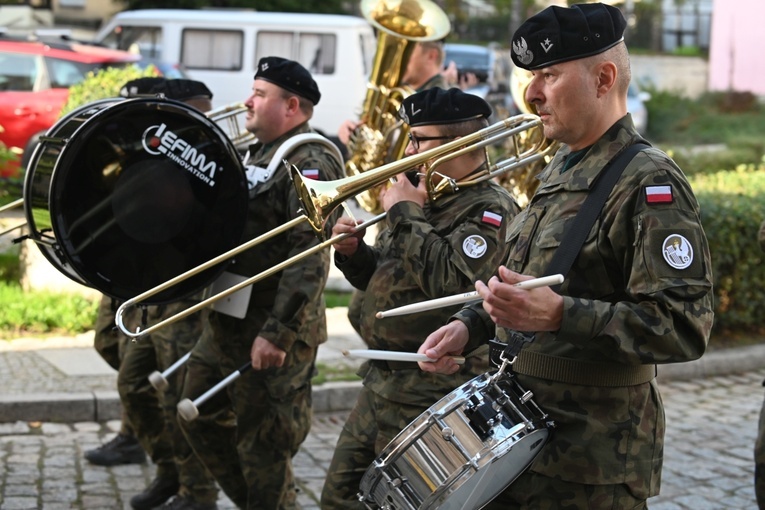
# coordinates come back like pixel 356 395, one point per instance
pixel 639 292
pixel 179 472
pixel 427 250
pixel 284 322
pixel 759 446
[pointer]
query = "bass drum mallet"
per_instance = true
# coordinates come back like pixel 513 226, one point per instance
pixel 189 410
pixel 159 380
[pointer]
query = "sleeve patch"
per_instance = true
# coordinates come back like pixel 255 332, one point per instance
pixel 658 194
pixel 491 218
pixel 474 246
pixel 311 173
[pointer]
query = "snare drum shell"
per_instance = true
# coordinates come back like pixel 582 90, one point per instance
pixel 125 194
pixel 442 461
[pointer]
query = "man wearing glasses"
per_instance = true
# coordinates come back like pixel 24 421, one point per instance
pixel 427 249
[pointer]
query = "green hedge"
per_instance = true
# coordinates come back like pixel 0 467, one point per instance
pixel 732 208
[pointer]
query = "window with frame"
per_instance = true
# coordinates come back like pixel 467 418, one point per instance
pixel 18 72
pixel 316 52
pixel 212 49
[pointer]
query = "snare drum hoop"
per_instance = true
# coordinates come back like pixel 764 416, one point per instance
pixel 52 246
pixel 445 492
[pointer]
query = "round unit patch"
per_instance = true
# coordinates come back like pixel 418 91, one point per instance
pixel 474 246
pixel 677 251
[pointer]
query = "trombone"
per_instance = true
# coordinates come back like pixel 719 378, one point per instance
pixel 320 199
pixel 12 205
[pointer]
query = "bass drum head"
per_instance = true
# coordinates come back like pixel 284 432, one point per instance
pixel 143 190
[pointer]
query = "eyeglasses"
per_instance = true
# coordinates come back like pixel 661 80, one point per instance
pixel 415 140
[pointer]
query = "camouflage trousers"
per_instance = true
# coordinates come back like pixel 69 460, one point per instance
pixel 371 425
pixel 160 435
pixel 759 459
pixel 251 457
pixel 534 491
pixel 110 343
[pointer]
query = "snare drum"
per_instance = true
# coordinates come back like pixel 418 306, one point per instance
pixel 124 194
pixel 462 452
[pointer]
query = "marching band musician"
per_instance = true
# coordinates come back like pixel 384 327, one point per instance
pixel 152 417
pixel 429 249
pixel 625 304
pixel 285 318
pixel 423 71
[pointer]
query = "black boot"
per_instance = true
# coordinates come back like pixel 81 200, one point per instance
pixel 160 490
pixel 120 450
pixel 185 503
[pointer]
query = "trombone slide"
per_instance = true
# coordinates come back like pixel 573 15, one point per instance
pixel 464 298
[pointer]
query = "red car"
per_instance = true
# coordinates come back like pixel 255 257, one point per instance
pixel 35 77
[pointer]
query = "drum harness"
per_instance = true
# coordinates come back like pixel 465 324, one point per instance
pixel 565 370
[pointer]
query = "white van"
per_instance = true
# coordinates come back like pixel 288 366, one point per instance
pixel 222 48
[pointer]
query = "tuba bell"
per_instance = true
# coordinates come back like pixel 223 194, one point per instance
pixel 381 136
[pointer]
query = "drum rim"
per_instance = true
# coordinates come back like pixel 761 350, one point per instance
pixel 111 107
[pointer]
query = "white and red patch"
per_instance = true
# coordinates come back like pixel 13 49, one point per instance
pixel 658 194
pixel 492 218
pixel 311 173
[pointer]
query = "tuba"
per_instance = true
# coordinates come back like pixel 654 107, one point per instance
pixel 381 136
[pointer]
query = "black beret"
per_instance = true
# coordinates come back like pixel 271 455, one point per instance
pixel 559 34
pixel 439 106
pixel 289 75
pixel 180 89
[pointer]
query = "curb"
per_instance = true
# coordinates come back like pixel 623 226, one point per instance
pixel 329 397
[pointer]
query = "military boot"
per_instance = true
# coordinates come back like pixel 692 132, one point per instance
pixel 159 490
pixel 123 449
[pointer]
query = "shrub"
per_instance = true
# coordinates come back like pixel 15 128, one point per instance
pixel 104 84
pixel 731 211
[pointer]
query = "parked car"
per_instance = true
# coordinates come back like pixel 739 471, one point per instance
pixel 35 77
pixel 636 100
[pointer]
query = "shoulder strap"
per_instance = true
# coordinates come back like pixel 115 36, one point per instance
pixel 300 139
pixel 572 242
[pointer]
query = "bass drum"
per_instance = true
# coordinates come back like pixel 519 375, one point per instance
pixel 462 452
pixel 124 194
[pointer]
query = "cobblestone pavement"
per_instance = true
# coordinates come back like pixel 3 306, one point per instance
pixel 711 426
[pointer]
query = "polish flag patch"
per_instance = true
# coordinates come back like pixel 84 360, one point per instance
pixel 311 173
pixel 658 194
pixel 492 218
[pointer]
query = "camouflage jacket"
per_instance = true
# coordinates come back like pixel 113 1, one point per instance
pixel 287 305
pixel 632 297
pixel 426 253
pixel 435 81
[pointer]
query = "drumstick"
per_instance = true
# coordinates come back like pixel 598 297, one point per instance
pixel 189 410
pixel 159 380
pixel 464 298
pixel 395 355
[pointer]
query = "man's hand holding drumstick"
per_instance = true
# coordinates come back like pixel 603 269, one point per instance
pixel 509 306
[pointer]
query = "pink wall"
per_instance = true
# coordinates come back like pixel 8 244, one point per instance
pixel 737 46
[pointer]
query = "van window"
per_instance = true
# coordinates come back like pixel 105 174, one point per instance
pixel 212 49
pixel 147 40
pixel 316 52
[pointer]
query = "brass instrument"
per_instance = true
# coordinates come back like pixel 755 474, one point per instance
pixel 12 205
pixel 227 118
pixel 320 198
pixel 381 136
